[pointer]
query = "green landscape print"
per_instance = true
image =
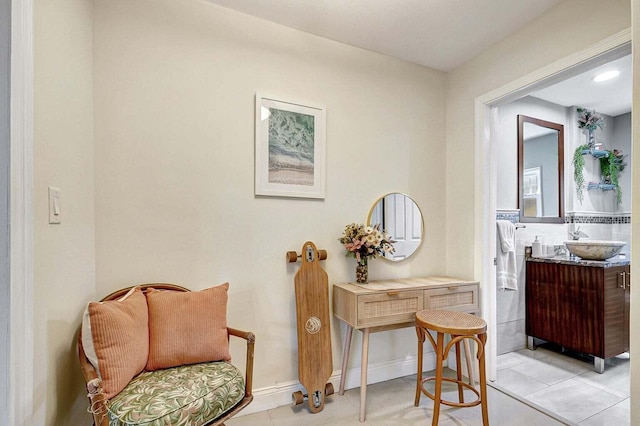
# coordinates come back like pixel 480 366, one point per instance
pixel 291 147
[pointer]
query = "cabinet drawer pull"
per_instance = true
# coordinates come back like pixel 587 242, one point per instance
pixel 393 293
pixel 622 285
pixel 453 287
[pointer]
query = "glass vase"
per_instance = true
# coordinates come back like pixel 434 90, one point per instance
pixel 362 270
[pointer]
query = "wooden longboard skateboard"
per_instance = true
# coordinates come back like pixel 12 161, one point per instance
pixel 315 363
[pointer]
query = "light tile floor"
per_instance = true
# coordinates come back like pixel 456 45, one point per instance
pixel 568 386
pixel 391 403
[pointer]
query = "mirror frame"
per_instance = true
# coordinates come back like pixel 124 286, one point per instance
pixel 555 126
pixel 373 206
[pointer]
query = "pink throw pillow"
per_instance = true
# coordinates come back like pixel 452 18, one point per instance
pixel 115 337
pixel 187 327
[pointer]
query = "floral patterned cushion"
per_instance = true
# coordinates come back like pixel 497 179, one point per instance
pixel 186 395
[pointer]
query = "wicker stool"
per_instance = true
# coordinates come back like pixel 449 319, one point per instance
pixel 460 326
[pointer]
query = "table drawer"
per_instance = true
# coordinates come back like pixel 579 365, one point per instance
pixel 457 298
pixel 389 308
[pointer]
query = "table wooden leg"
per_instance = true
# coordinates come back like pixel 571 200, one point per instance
pixel 420 332
pixel 345 358
pixel 363 373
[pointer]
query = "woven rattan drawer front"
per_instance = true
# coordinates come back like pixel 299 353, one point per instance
pixel 389 308
pixel 457 298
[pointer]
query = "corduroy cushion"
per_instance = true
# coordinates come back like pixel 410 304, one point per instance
pixel 115 337
pixel 187 327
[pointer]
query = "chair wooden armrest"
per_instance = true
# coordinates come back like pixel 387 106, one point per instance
pixel 251 339
pixel 248 382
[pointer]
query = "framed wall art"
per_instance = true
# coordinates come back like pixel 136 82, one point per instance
pixel 290 148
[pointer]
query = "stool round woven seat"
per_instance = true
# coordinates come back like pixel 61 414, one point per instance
pixel 451 322
pixel 462 327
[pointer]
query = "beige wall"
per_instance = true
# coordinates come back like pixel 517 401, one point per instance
pixel 64 255
pixel 168 176
pixel 174 93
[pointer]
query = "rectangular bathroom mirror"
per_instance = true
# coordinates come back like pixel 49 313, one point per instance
pixel 540 170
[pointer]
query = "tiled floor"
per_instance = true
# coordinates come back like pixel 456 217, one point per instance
pixel 391 403
pixel 568 386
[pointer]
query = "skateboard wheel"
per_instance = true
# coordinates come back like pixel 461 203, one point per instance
pixel 292 256
pixel 322 254
pixel 328 389
pixel 298 397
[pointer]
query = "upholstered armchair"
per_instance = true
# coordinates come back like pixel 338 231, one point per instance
pixel 158 354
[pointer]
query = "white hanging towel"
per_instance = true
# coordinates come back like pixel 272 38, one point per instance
pixel 506 273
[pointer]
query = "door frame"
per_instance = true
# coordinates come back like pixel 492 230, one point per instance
pixel 21 321
pixel 486 163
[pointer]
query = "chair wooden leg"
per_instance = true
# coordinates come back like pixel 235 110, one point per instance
pixel 438 390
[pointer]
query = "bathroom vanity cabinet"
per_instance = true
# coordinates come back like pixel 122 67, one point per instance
pixel 582 306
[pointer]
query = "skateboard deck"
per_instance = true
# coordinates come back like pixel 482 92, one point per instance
pixel 315 363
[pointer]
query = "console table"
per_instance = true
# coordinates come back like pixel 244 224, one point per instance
pixel 392 304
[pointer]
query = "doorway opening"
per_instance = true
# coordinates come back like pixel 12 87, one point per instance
pixel 490 204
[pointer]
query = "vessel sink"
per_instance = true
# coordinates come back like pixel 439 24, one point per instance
pixel 594 249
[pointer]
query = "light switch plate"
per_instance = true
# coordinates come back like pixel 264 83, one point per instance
pixel 55 213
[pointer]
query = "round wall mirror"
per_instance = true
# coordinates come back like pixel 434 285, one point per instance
pixel 401 218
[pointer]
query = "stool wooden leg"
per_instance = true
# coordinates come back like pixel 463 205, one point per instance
pixel 438 391
pixel 483 381
pixel 420 332
pixel 459 372
pixel 467 355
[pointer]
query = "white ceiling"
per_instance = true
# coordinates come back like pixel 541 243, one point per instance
pixel 612 97
pixel 440 34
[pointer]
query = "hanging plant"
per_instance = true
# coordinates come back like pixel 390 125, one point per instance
pixel 610 168
pixel 578 166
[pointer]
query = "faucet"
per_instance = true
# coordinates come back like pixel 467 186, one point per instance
pixel 577 234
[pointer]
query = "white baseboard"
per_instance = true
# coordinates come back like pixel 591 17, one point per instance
pixel 276 396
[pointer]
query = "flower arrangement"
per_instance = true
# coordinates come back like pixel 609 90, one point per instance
pixel 589 120
pixel 363 241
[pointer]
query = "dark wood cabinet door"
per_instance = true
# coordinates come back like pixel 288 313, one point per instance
pixel 616 310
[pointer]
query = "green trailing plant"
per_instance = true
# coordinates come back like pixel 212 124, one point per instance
pixel 610 168
pixel 578 166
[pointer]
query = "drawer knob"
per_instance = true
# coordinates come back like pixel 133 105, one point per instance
pixel 393 293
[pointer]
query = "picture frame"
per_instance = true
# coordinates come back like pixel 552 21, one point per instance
pixel 290 146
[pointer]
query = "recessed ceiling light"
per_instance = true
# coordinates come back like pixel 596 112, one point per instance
pixel 607 75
